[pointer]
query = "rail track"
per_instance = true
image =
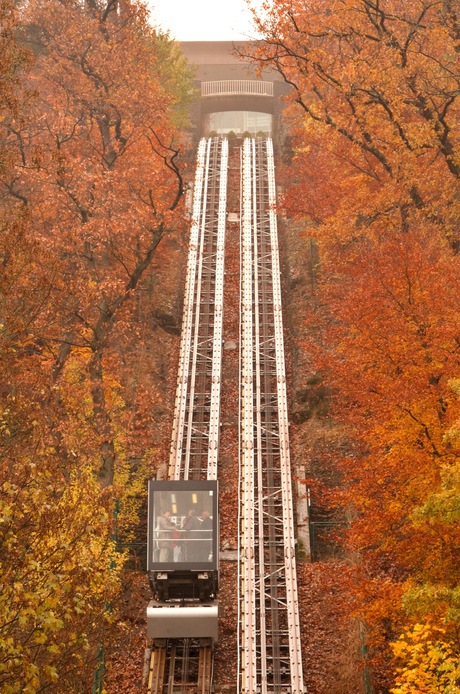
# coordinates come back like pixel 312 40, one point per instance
pixel 195 437
pixel 186 665
pixel 270 653
pixel 269 657
pixel 179 666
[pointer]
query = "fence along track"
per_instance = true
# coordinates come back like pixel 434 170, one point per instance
pixel 186 665
pixel 269 639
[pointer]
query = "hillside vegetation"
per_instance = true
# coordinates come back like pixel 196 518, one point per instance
pixel 92 248
pixel 91 226
pixel 374 117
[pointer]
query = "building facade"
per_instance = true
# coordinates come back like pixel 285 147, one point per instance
pixel 232 97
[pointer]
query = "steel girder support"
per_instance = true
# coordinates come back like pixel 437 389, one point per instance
pixel 247 578
pixel 297 684
pixel 187 318
pixel 195 438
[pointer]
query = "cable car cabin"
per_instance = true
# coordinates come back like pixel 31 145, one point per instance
pixel 183 540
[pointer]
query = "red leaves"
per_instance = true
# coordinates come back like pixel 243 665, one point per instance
pixel 86 206
pixel 331 642
pixel 374 180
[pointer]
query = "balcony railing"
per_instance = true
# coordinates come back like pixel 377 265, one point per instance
pixel 237 87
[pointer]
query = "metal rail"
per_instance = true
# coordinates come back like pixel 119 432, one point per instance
pixel 269 643
pixel 185 665
pixel 204 670
pixel 180 666
pixel 269 655
pixel 157 666
pixel 195 438
pixel 247 621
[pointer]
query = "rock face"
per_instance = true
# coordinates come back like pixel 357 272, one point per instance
pixel 310 400
pixel 167 322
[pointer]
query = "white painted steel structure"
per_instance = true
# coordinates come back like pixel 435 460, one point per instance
pixel 187 317
pixel 269 654
pixel 269 639
pixel 237 87
pixel 195 436
pixel 247 582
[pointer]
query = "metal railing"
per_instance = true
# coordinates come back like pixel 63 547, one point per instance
pixel 237 87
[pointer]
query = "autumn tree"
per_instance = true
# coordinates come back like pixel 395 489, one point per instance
pixel 90 191
pixel 108 161
pixel 374 111
pixel 176 76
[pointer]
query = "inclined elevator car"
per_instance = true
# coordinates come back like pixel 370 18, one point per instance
pixel 182 559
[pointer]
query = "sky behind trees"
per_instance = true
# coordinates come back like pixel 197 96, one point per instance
pixel 204 20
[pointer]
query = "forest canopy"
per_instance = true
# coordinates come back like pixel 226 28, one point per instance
pixel 91 190
pixel 92 127
pixel 374 120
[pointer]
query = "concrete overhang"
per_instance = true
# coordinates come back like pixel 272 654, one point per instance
pixel 237 102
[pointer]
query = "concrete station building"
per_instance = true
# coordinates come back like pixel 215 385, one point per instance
pixel 231 96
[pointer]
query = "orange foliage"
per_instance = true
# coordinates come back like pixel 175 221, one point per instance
pixel 90 194
pixel 374 112
pixel 97 169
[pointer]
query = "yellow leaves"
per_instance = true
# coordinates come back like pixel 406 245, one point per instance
pixel 6 512
pixel 56 579
pixel 399 648
pixel 376 155
pixel 51 672
pixel 25 615
pixel 40 637
pixel 70 268
pixel 431 661
pixel 441 507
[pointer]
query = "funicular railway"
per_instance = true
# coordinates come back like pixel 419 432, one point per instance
pixel 270 653
pixel 177 664
pixel 269 658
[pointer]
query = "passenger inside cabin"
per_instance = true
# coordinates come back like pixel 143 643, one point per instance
pixel 190 526
pixel 166 529
pixel 204 546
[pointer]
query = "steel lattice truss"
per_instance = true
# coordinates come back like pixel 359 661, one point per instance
pixel 195 436
pixel 270 655
pixel 269 638
pixel 186 664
